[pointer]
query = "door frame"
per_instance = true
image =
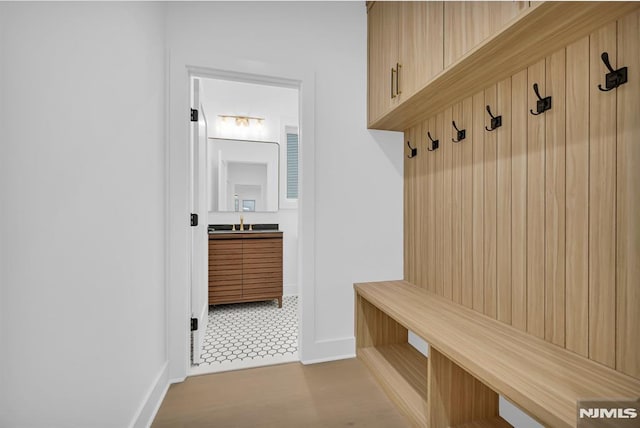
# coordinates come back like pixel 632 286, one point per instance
pixel 178 228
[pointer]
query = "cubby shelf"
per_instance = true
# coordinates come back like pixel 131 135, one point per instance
pixel 402 372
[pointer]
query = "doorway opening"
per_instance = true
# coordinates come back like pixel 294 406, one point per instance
pixel 244 189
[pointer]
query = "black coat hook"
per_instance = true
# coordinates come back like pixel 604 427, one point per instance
pixel 414 151
pixel 543 104
pixel 434 143
pixel 496 121
pixel 614 78
pixel 462 134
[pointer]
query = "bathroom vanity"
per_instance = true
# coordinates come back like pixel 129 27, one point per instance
pixel 245 266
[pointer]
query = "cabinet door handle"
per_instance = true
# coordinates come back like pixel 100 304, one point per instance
pixel 393 95
pixel 398 67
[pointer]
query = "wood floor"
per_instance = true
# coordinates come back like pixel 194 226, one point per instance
pixel 335 394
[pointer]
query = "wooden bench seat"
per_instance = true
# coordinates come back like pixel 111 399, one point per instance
pixel 544 380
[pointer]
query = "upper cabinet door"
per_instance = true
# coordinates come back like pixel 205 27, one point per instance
pixel 382 28
pixel 468 23
pixel 421 45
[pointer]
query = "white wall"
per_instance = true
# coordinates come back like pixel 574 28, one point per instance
pixel 82 315
pixel 357 195
pixel 82 182
pixel 278 106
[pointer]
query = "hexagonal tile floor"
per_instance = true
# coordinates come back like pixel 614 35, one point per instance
pixel 252 331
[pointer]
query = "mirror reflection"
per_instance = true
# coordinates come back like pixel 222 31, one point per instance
pixel 243 175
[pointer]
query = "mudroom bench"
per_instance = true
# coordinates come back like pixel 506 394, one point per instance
pixel 472 359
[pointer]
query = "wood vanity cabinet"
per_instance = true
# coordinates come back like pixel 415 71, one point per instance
pixel 245 267
pixel 405 42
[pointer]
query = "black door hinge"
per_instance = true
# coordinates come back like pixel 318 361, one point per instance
pixel 194 115
pixel 194 324
pixel 194 219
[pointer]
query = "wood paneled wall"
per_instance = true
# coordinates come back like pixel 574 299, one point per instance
pixel 537 223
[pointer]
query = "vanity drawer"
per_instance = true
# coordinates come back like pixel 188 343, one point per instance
pixel 226 291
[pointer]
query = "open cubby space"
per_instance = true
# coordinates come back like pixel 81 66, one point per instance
pixel 382 345
pixel 402 373
pixel 432 391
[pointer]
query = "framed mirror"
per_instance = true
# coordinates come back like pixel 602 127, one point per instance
pixel 243 175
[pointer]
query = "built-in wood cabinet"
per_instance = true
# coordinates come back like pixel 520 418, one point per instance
pixel 426 56
pixel 468 23
pixel 420 52
pixel 402 57
pixel 411 42
pixel 383 57
pixel 245 267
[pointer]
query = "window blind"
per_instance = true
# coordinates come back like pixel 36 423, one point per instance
pixel 292 166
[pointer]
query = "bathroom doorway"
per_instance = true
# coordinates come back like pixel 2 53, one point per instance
pixel 245 174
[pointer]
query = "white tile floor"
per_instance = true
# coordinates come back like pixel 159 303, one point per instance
pixel 252 334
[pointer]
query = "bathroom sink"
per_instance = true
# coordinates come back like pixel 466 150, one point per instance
pixel 257 228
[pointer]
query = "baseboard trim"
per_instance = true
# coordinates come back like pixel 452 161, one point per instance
pixel 418 343
pixel 328 350
pixel 153 399
pixel 515 416
pixel 327 359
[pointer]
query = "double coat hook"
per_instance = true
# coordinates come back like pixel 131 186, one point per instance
pixel 496 121
pixel 614 78
pixel 543 104
pixel 414 151
pixel 434 143
pixel 462 134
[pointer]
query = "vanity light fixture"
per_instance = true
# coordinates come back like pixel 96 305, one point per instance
pixel 242 120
